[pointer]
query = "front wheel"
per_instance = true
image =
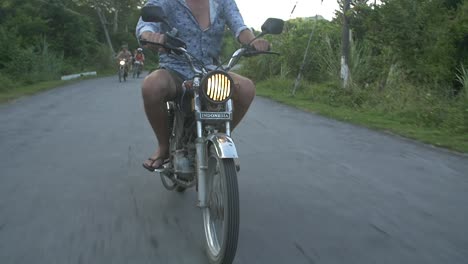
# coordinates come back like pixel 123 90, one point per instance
pixel 135 70
pixel 221 216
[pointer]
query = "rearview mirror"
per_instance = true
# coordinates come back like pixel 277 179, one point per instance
pixel 153 13
pixel 273 26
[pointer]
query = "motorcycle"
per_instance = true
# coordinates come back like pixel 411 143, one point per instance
pixel 202 152
pixel 137 66
pixel 122 70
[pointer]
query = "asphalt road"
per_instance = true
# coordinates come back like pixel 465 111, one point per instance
pixel 312 190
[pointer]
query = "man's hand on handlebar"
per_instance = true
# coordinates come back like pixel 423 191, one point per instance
pixel 156 38
pixel 260 44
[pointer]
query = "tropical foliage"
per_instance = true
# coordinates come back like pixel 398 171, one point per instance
pixel 43 39
pixel 408 58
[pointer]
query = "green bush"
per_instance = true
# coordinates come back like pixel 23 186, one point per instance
pixel 102 60
pixel 457 116
pixel 32 66
pixel 5 83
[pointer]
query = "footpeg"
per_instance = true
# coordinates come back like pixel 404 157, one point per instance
pixel 164 169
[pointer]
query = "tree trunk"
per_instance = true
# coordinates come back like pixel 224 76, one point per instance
pixel 104 27
pixel 345 46
pixel 116 22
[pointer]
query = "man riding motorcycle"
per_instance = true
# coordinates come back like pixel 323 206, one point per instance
pixel 124 54
pixel 200 24
pixel 139 58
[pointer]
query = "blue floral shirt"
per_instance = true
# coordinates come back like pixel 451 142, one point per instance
pixel 203 44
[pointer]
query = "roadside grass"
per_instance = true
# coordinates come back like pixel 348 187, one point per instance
pixel 409 127
pixel 7 95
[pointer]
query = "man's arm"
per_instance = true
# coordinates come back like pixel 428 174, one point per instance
pixel 150 31
pixel 241 31
pixel 235 21
pixel 246 36
pixel 150 26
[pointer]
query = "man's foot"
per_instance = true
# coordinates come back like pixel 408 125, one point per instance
pixel 155 162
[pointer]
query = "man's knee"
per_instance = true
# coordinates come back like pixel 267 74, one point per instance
pixel 247 89
pixel 157 84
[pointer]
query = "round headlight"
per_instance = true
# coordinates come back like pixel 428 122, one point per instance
pixel 217 86
pixel 122 62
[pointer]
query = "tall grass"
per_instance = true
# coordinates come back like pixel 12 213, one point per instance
pixel 328 60
pixel 462 78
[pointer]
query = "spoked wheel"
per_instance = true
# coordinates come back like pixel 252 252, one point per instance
pixel 221 217
pixel 135 70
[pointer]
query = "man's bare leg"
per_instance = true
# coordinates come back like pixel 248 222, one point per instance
pixel 243 97
pixel 158 87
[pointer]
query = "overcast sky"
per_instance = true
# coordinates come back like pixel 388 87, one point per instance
pixel 255 12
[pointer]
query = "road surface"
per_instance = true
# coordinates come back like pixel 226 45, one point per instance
pixel 312 190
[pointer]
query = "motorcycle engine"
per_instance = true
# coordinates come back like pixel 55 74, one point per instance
pixel 182 164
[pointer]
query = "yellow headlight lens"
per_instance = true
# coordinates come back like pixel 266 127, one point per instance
pixel 218 87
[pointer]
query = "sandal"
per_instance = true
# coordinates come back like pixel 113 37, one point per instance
pixel 151 168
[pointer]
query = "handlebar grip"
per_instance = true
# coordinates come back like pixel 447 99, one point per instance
pixel 173 41
pixel 146 42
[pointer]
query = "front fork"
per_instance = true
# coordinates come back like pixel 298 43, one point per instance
pixel 200 146
pixel 224 147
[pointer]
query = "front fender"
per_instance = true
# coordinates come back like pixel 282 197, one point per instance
pixel 223 145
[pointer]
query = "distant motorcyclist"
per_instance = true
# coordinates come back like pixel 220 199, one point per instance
pixel 124 54
pixel 140 57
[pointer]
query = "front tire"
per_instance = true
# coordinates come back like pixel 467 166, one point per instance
pixel 222 208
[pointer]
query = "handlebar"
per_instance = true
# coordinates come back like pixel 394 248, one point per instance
pixel 250 53
pixel 180 49
pixel 165 46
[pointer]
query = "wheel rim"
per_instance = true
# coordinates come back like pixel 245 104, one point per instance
pixel 214 214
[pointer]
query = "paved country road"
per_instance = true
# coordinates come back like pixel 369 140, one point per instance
pixel 312 190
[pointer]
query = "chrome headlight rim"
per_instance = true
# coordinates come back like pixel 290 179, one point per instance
pixel 122 62
pixel 205 82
